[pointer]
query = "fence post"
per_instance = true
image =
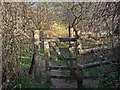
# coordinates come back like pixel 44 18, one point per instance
pixel 47 61
pixel 71 51
pixel 37 56
pixel 79 60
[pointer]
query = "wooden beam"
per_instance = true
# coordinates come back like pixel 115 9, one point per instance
pixel 95 35
pixel 61 68
pixel 67 58
pixel 61 39
pixel 65 39
pixel 47 60
pixel 83 36
pixel 70 77
pixel 98 63
pixel 61 77
pixel 96 49
pixel 84 66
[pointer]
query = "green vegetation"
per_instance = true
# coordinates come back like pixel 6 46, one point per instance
pixel 27 82
pixel 109 81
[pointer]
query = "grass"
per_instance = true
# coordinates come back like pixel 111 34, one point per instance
pixel 25 82
pixel 91 71
pixel 26 59
pixel 65 73
pixel 109 81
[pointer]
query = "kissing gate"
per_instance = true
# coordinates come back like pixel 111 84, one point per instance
pixel 74 47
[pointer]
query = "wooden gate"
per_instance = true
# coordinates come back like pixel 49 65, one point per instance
pixel 74 47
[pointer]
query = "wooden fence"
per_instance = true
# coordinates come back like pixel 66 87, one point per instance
pixel 78 76
pixel 75 46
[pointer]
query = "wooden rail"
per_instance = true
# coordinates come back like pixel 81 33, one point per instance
pixel 67 58
pixel 70 77
pixel 75 71
pixel 83 36
pixel 98 48
pixel 61 68
pixel 60 39
pixel 94 64
pixel 96 35
pixel 84 66
pixel 61 77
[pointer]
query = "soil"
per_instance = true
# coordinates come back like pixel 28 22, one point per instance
pixel 65 83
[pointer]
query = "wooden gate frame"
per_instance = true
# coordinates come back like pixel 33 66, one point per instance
pixel 78 76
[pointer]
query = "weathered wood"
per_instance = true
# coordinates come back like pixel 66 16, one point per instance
pixel 84 66
pixel 61 77
pixel 71 48
pixel 37 56
pixel 79 60
pixel 61 39
pixel 47 61
pixel 96 49
pixel 61 68
pixel 94 64
pixel 72 38
pixel 56 48
pixel 67 58
pixel 70 77
pixel 65 39
pixel 95 35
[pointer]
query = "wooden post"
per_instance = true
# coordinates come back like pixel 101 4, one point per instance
pixel 71 51
pixel 37 56
pixel 47 61
pixel 79 61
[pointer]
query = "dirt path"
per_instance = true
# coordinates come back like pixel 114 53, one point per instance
pixel 64 83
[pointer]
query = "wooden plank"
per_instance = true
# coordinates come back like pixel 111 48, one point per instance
pixel 66 39
pixel 95 35
pixel 61 39
pixel 70 77
pixel 67 58
pixel 96 49
pixel 84 66
pixel 47 60
pixel 61 68
pixel 98 63
pixel 83 36
pixel 51 40
pixel 61 77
